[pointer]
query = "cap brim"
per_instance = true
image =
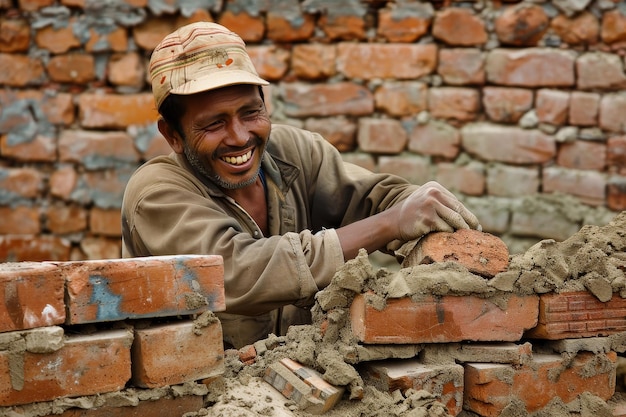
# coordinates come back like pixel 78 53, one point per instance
pixel 218 80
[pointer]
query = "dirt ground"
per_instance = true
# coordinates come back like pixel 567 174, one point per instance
pixel 593 259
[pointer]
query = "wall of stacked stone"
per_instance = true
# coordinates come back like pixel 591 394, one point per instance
pixel 515 105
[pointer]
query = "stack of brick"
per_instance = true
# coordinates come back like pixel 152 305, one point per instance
pixel 548 353
pixel 124 337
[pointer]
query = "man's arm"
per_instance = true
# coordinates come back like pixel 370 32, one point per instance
pixel 430 208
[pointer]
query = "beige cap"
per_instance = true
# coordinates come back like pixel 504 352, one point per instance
pixel 198 57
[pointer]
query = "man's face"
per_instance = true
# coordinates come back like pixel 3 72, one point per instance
pixel 225 134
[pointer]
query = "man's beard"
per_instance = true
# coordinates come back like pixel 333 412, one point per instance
pixel 194 161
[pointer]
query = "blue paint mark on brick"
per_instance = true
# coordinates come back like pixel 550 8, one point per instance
pixel 108 303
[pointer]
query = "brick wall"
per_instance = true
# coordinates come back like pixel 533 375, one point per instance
pixel 514 105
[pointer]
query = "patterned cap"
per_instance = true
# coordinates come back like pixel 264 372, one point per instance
pixel 198 57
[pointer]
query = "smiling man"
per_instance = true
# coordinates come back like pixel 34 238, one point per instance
pixel 276 202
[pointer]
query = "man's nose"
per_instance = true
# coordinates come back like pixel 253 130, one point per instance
pixel 238 134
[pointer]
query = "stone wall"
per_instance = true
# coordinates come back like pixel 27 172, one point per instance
pixel 514 105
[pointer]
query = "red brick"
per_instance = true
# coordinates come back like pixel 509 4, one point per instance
pixel 34 5
pixel 457 26
pixel 72 68
pixel 19 220
pixel 110 111
pixel 506 105
pixel 444 381
pixel 175 353
pixel 303 385
pixel 369 61
pixel 63 219
pixel 339 131
pixel 342 27
pixel 512 181
pixel 21 182
pixel 250 28
pixel 613 26
pixel 588 186
pixel 403 98
pixel 578 314
pixel 62 182
pixel 151 32
pixel 468 179
pixel 284 29
pixel 57 40
pixel 531 67
pixel 612 110
pixel 105 222
pixel 344 98
pixel 404 22
pixel 313 61
pixel 96 150
pixel 457 103
pixel 105 290
pixel 14 35
pixel 20 70
pixel 507 144
pixel 442 319
pixel 616 153
pixel 521 25
pixel 435 138
pixel 271 62
pixel 580 29
pixel 583 108
pixel 489 388
pixel 127 69
pixel 616 193
pixel 552 106
pixel 32 296
pixel 116 40
pixel 85 365
pixel 413 168
pixel 247 354
pixel 461 66
pixel 583 154
pixel 161 407
pixel 17 248
pixel 381 136
pixel 600 70
pixel 481 253
pixel 99 247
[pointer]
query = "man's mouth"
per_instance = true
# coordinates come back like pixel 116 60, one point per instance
pixel 237 160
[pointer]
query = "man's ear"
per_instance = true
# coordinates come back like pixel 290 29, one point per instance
pixel 171 135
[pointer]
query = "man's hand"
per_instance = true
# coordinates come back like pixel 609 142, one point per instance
pixel 432 208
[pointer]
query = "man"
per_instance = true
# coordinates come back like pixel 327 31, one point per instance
pixel 276 202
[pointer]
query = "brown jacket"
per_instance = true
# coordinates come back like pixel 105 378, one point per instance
pixel 168 210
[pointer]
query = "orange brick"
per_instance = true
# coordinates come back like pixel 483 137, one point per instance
pixel 20 70
pixel 105 222
pixel 445 382
pixel 490 388
pixel 176 353
pixel 85 365
pixel 161 407
pixel 32 296
pixel 578 314
pixel 17 248
pixel 481 253
pixel 159 286
pixel 116 111
pixel 19 220
pixel 442 319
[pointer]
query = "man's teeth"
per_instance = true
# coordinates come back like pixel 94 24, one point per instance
pixel 237 160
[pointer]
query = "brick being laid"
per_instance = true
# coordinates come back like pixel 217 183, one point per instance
pixel 159 286
pixel 578 314
pixel 442 319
